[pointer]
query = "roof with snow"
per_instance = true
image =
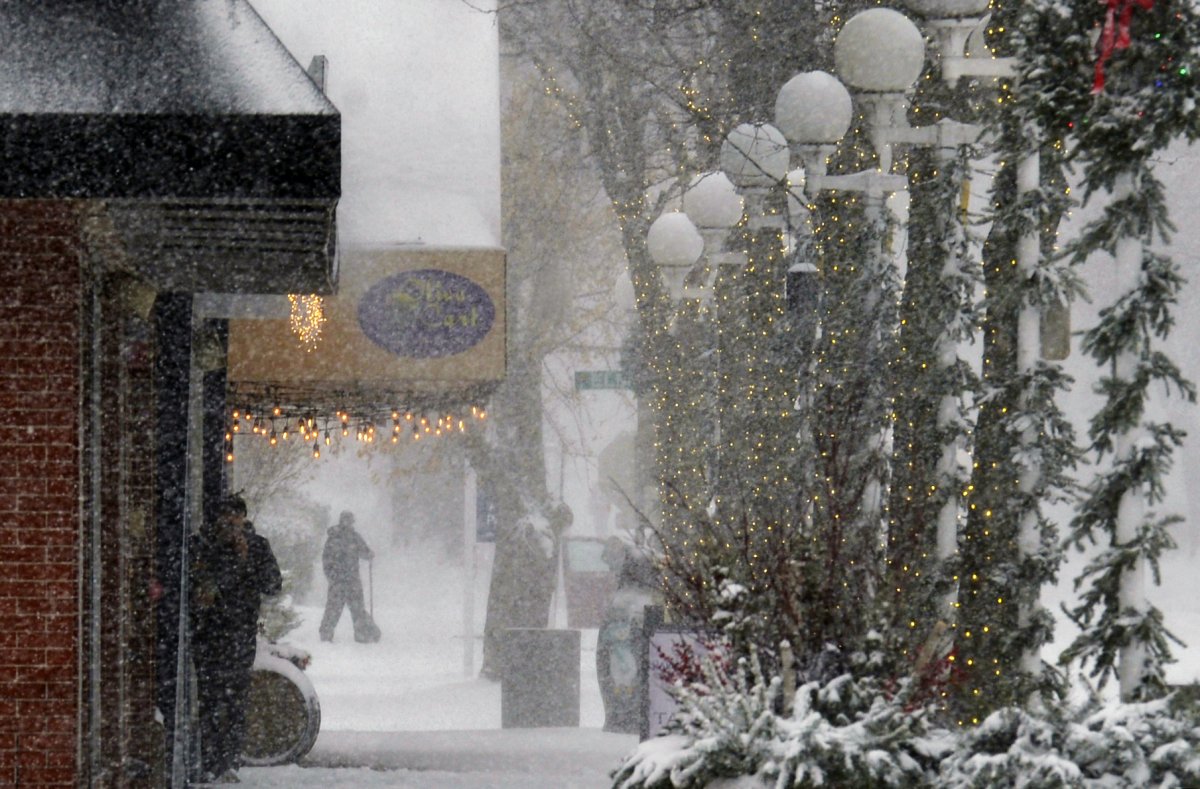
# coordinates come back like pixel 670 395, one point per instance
pixel 213 150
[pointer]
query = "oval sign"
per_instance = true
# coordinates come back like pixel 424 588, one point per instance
pixel 426 313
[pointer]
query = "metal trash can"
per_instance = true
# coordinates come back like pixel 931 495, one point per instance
pixel 539 681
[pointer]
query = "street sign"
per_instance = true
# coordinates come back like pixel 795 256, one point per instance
pixel 586 380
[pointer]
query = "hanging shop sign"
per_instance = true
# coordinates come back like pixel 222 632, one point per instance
pixel 426 314
pixel 400 317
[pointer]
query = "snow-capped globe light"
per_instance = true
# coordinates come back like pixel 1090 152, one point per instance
pixel 712 201
pixel 947 9
pixel 673 240
pixel 675 245
pixel 755 155
pixel 814 108
pixel 880 51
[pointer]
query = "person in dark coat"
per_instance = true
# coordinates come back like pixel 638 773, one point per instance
pixel 344 548
pixel 232 568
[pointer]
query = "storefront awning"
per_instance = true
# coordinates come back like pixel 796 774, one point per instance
pixel 215 156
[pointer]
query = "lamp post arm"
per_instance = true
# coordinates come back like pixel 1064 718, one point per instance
pixel 955 66
pixel 946 133
pixel 870 182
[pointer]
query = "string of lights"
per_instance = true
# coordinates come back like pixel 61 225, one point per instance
pixel 289 416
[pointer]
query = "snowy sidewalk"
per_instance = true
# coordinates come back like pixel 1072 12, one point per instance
pixel 495 758
pixel 404 713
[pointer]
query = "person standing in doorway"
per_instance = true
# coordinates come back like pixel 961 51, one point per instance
pixel 232 568
pixel 344 548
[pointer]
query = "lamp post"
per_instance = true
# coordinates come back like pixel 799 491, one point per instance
pixel 952 22
pixel 880 53
pixel 757 183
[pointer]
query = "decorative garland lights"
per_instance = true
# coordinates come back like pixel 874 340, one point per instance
pixel 282 425
pixel 858 504
pixel 306 318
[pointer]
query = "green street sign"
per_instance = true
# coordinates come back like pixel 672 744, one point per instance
pixel 586 380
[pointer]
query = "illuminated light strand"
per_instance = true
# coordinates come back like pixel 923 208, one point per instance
pixel 283 423
pixel 306 317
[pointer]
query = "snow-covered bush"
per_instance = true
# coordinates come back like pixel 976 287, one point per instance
pixel 850 732
pixel 1096 745
pixel 1011 747
pixel 723 728
pixel 845 732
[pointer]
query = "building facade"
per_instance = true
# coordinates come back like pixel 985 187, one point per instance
pixel 152 151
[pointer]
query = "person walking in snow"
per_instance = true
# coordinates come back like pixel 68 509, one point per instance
pixel 344 547
pixel 231 569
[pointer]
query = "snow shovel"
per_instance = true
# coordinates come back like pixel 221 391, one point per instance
pixel 371 588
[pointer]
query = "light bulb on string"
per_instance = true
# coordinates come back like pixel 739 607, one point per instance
pixel 316 450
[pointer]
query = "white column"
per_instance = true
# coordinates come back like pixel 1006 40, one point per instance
pixel 947 467
pixel 469 532
pixel 1130 511
pixel 1028 348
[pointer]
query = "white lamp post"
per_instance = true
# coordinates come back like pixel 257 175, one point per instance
pixel 952 22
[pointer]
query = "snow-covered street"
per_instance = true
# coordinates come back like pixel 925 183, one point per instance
pixel 405 713
pixel 503 759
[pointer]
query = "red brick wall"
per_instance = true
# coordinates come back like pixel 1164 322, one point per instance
pixel 41 297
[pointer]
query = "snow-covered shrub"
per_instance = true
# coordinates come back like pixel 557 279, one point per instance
pixel 1011 748
pixel 723 728
pixel 819 744
pixel 843 733
pixel 1148 744
pixel 850 732
pixel 1111 745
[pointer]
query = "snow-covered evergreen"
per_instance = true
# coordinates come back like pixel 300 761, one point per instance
pixel 1117 103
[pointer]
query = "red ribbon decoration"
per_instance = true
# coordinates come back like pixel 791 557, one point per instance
pixel 1115 34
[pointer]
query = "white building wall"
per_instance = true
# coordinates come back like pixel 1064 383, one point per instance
pixel 417 84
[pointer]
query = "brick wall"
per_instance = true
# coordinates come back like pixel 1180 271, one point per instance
pixel 41 293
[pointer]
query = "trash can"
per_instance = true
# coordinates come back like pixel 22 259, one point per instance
pixel 539 680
